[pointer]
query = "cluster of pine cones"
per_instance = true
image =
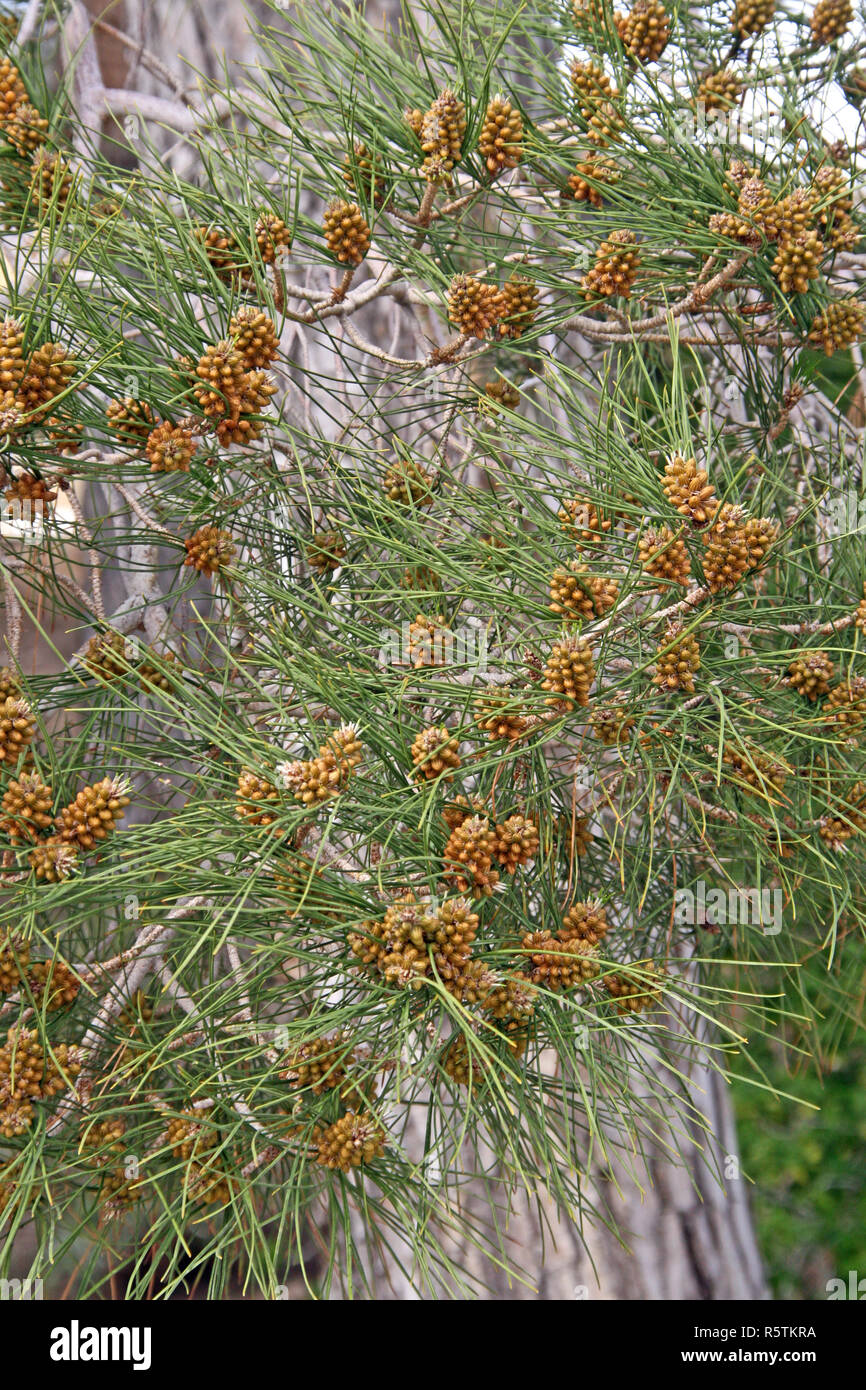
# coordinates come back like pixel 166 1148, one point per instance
pixel 46 177
pixel 31 380
pixel 29 1073
pixel 318 779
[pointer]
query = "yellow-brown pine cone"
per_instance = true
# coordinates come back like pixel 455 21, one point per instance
pixel 585 921
pixel 12 364
pixel 53 860
pixel 516 842
pixel 222 376
pixel 752 16
pixel 347 234
pixel 16 1116
pixel 151 676
pixel 460 809
pixel 22 1065
pixel 451 931
pixel 617 262
pixel 759 534
pixel 311 781
pixel 512 1001
pixel 555 963
pixel 501 140
pixel 441 133
pixel 209 550
pixel 581 520
pixel 830 20
pixel 689 491
pixel 257 800
pixel 569 672
pixel 326 550
pixel 255 337
pixel 832 187
pixel 520 306
pixel 17 729
pixel 840 232
pixel 606 124
pixel 49 372
pixel 420 577
pixel 644 31
pixel 845 706
pixel 131 420
pixel 611 724
pixel 344 748
pixel 848 818
pixel 349 1142
pixel 811 675
pixel 103 1140
pixel 51 179
pixel 94 813
pixel 25 129
pixel 638 992
pixel 469 857
pixel 753 770
pixel 54 984
pixel 859 619
pixel 590 178
pixel 189 1135
pixel 272 237
pixel 27 803
pixel 664 556
pixel 414 119
pixel 463 1065
pixel 719 91
pixel 498 714
pixel 170 448
pixel 795 214
pixel 734 545
pixel 434 752
pixel 221 249
pixel 28 488
pixel 242 427
pixel 474 306
pixel 592 88
pixel 838 326
pixel 14 962
pixel 108 657
pixel 11 414
pixel 798 262
pixel 578 595
pixel 361 171
pixel 319 1065
pixel 496 394
pixel 678 657
pixel 407 481
pixel 13 93
pixel 430 641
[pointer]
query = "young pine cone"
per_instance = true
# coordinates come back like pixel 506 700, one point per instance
pixel 633 993
pixel 688 490
pixel 496 394
pixel 579 517
pixel 556 962
pixel 254 336
pixel 498 715
pixel 209 550
pixel 469 857
pixel 272 237
pixel 644 31
pixel 516 842
pixel 17 729
pixel 590 179
pixel 569 672
pixel 501 140
pixel 406 481
pixel 520 306
pixel 49 372
pixel 352 1140
pixel 845 706
pixel 221 249
pixel 430 641
pixel 170 448
pixel 617 262
pixel 54 984
pixel 735 545
pixel 130 420
pixel 12 90
pixel 578 595
pixel 719 91
pixel 434 752
pixel 222 377
pixel 592 88
pixel 752 16
pixel 811 675
pixel 830 20
pixel 11 354
pixel 664 557
pixel 326 551
pixel 25 129
pixel 361 172
pixel 754 771
pixel 585 921
pixel 611 724
pixel 798 262
pixel 347 234
pixel 94 813
pixel 838 325
pixel 847 819
pixel 257 801
pixel 14 960
pixel 319 1065
pixel 53 860
pixel 441 132
pixel 51 179
pixel 109 657
pixel 677 660
pixel 27 804
pixel 474 306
